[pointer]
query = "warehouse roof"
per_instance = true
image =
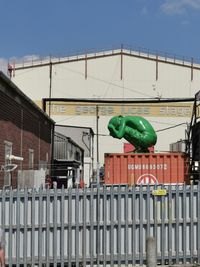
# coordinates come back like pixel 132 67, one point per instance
pixel 137 52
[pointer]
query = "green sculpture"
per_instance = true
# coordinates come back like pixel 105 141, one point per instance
pixel 135 129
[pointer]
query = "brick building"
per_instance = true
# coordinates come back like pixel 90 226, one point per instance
pixel 25 131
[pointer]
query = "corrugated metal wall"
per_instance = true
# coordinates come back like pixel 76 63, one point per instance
pixel 66 149
pixel 100 226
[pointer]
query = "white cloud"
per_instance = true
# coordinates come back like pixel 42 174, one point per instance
pixel 24 59
pixel 12 61
pixel 179 6
pixel 30 58
pixel 144 10
pixel 185 22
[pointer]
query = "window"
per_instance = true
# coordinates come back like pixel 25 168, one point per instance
pixel 31 159
pixel 8 150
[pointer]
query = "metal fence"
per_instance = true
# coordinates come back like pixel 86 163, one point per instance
pixel 101 226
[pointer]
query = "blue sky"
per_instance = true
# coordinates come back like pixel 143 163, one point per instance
pixel 50 27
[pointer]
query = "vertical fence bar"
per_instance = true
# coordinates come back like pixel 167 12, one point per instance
pixel 18 199
pixel 192 223
pixel 133 225
pixel 55 226
pixel 92 226
pixel 3 217
pixel 177 224
pixel 162 230
pixel 141 224
pixel 112 227
pixel 10 246
pixel 69 245
pixel 62 226
pixel 25 227
pixel 104 225
pixel 77 227
pixel 155 222
pixel 119 221
pixel 98 224
pixel 184 224
pixel 33 228
pixel 84 244
pixel 47 226
pixel 126 225
pixel 170 224
pixel 148 209
pixel 40 248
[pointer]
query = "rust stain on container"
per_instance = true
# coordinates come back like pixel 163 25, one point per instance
pixel 152 168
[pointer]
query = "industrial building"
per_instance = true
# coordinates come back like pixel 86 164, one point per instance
pixel 79 139
pixel 113 74
pixel 68 158
pixel 25 138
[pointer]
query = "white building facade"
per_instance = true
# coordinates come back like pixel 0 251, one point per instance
pixel 114 74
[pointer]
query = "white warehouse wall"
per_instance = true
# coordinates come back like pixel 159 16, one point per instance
pixel 113 74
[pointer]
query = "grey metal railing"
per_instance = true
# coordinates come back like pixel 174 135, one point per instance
pixel 101 226
pixel 109 50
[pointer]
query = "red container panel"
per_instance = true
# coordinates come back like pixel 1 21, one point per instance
pixel 152 168
pixel 128 148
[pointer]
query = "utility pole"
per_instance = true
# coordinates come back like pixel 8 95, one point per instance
pixel 50 85
pixel 97 134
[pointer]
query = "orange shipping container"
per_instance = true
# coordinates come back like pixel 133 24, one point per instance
pixel 152 168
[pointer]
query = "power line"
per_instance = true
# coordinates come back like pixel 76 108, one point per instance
pixel 164 129
pixel 168 128
pixel 107 82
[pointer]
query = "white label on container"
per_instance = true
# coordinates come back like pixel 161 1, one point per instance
pixel 147 166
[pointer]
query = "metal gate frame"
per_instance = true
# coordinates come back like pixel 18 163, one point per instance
pixel 101 225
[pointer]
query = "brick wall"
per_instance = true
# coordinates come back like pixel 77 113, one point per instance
pixel 26 128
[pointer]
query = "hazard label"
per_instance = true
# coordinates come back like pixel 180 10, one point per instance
pixel 147 179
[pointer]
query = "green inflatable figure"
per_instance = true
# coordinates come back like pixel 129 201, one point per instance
pixel 135 129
